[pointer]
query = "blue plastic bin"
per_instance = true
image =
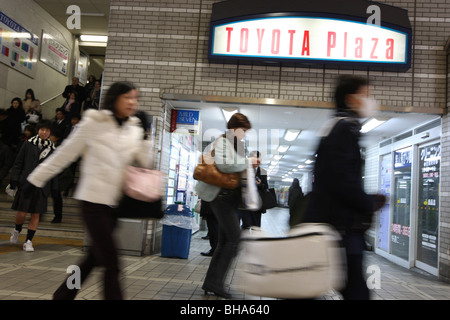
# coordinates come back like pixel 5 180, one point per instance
pixel 177 231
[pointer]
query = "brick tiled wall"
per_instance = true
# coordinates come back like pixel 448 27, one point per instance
pixel 162 46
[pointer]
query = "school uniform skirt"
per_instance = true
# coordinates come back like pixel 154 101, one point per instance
pixel 35 202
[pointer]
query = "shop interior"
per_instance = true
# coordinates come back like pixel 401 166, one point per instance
pixel 287 137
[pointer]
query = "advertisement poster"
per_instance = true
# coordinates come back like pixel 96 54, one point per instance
pixel 19 47
pixel 54 54
pixel 385 189
pixel 428 205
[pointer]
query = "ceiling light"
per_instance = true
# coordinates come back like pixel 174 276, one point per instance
pixel 309 161
pixel 291 134
pixel 92 38
pixel 277 157
pixel 371 124
pixel 301 166
pixel 283 148
pixel 228 112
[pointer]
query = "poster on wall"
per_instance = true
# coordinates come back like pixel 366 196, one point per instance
pixel 428 204
pixel 18 46
pixel 54 54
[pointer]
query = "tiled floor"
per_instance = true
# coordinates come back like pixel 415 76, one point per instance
pixel 35 276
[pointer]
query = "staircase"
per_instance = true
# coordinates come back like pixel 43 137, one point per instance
pixel 71 226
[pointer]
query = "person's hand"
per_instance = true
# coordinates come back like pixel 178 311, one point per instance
pixel 10 191
pixel 379 202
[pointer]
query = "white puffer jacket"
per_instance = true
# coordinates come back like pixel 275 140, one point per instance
pixel 106 149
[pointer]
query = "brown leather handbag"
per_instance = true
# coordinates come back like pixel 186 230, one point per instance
pixel 207 172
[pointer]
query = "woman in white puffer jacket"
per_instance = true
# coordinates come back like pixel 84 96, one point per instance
pixel 107 140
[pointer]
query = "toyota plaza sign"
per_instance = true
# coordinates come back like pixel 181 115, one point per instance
pixel 331 37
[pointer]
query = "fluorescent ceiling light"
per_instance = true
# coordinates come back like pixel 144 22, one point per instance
pixel 301 166
pixel 291 134
pixel 228 112
pixel 371 124
pixel 283 148
pixel 277 157
pixel 93 38
pixel 309 161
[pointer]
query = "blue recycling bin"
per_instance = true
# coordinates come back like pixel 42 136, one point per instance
pixel 177 231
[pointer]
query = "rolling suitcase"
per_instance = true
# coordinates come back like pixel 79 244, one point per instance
pixel 306 263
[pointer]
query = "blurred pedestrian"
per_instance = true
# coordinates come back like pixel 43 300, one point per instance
pixel 338 196
pixel 29 199
pixel 229 156
pixel 108 139
pixel 295 198
pixel 6 159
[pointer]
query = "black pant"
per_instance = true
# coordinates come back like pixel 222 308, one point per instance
pixel 57 204
pixel 250 219
pixel 356 287
pixel 213 230
pixel 100 225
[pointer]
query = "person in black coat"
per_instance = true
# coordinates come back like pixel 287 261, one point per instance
pixel 253 218
pixel 28 198
pixel 60 124
pixel 75 87
pixel 338 197
pixel 6 159
pixel 295 203
pixel 16 115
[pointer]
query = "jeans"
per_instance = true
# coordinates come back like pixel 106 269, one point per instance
pixel 224 207
pixel 100 225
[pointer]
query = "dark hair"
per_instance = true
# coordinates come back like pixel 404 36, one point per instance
pixel 18 100
pixel 44 124
pixel 30 128
pixel 30 91
pixel 255 153
pixel 347 84
pixel 238 120
pixel 116 89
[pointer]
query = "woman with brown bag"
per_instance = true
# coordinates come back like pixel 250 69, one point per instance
pixel 229 157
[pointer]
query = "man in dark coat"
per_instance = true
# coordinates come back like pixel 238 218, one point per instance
pixel 338 196
pixel 6 159
pixel 75 87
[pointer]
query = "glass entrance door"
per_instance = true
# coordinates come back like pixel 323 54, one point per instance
pixel 400 225
pixel 428 204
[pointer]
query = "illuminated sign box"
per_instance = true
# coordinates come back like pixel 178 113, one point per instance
pixel 305 38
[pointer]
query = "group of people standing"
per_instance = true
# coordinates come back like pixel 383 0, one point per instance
pixel 27 140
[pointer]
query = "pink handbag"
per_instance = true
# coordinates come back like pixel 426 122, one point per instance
pixel 143 184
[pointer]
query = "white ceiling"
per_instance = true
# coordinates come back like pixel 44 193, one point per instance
pixel 94 17
pixel 266 120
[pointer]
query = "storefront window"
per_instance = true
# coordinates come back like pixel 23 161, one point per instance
pixel 428 204
pixel 400 226
pixel 385 188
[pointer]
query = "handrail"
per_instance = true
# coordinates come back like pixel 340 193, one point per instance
pixel 42 103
